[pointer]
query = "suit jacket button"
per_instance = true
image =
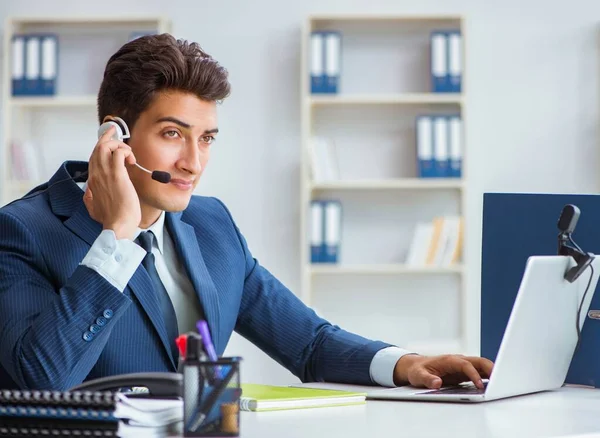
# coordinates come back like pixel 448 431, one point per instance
pixel 101 321
pixel 87 336
pixel 94 328
pixel 108 313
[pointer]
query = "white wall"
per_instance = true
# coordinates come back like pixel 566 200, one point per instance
pixel 532 109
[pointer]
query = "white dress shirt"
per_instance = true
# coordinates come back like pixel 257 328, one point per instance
pixel 117 261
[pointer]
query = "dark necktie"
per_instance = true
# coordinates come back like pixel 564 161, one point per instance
pixel 145 241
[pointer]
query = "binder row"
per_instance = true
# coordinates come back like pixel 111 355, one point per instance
pixel 446 61
pixel 325 61
pixel 63 413
pixel 439 146
pixel 104 399
pixel 21 427
pixel 34 66
pixel 325 231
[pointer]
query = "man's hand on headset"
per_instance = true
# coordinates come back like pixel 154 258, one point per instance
pixel 110 196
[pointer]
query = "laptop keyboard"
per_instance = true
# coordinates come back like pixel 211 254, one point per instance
pixel 467 389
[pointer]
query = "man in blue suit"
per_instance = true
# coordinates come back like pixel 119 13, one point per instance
pixel 102 266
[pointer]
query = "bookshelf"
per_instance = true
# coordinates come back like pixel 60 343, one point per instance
pixel 60 126
pixel 372 119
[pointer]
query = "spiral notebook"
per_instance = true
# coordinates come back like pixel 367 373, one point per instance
pixel 43 413
pixel 79 413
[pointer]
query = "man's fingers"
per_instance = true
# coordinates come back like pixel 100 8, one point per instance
pixel 106 150
pixel 427 379
pixel 119 157
pixel 483 365
pixel 469 370
pixel 107 134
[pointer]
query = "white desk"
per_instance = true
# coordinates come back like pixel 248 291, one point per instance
pixel 550 414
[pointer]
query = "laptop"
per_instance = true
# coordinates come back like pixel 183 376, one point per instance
pixel 539 340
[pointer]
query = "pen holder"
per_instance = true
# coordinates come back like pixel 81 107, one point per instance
pixel 211 397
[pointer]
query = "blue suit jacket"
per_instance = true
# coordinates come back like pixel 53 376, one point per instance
pixel 48 300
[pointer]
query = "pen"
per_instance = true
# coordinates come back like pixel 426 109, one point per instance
pixel 208 345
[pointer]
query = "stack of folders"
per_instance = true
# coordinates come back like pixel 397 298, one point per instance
pixel 437 243
pixel 325 231
pixel 34 65
pixel 439 146
pixel 446 61
pixel 325 61
pixel 84 413
pixel 274 398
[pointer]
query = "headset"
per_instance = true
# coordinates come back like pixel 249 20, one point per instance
pixel 121 134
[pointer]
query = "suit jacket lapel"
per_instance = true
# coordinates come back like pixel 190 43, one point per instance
pixel 66 199
pixel 186 243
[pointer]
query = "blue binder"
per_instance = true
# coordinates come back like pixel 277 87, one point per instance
pixel 440 80
pixel 516 226
pixel 317 231
pixel 48 64
pixel 424 146
pixel 333 60
pixel 455 62
pixel 18 65
pixel 33 67
pixel 332 230
pixel 317 63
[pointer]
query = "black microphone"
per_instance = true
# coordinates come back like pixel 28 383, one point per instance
pixel 157 175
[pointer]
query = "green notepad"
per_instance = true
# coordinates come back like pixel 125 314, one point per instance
pixel 272 398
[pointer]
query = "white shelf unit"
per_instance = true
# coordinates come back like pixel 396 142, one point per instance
pixel 62 126
pixel 365 39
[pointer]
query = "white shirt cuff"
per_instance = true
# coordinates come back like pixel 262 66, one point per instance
pixel 115 260
pixel 383 364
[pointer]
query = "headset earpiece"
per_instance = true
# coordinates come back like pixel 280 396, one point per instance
pixel 121 128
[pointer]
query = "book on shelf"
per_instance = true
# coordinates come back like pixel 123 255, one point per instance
pixel 436 243
pixel 26 164
pixel 322 158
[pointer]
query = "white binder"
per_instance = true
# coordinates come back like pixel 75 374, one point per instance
pixel 425 147
pixel 333 42
pixel 333 235
pixel 440 146
pixel 49 64
pixel 455 61
pixel 32 65
pixel 456 149
pixel 18 65
pixel 317 70
pixel 439 62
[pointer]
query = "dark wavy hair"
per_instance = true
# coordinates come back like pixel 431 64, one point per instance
pixel 150 64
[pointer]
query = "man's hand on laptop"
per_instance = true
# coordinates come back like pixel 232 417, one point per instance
pixel 436 371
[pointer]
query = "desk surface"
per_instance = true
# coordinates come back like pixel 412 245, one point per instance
pixel 549 414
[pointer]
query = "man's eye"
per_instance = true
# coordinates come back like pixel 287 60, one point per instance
pixel 208 139
pixel 171 134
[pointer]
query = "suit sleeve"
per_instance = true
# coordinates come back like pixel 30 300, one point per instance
pixel 281 325
pixel 46 335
